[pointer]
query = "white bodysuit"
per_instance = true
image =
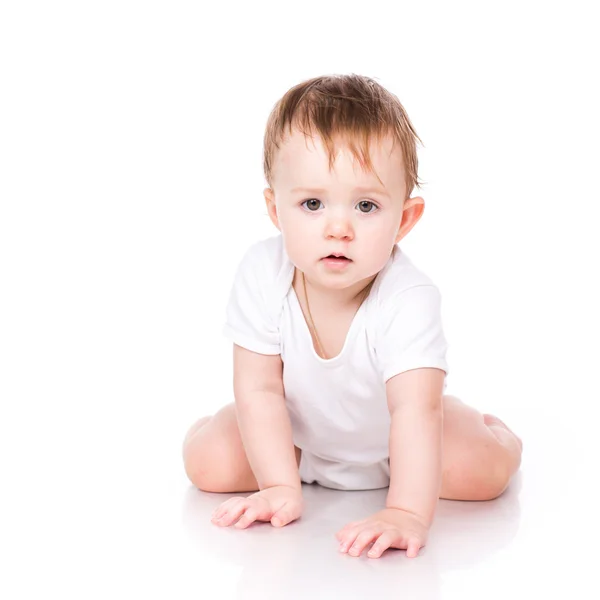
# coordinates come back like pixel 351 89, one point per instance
pixel 338 406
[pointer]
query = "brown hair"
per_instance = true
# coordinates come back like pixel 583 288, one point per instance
pixel 350 107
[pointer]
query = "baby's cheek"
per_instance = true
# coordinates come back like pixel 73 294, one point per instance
pixel 300 249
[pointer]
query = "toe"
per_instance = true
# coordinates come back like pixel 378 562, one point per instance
pixel 493 420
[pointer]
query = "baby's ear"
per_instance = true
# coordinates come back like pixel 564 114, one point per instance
pixel 271 206
pixel 412 212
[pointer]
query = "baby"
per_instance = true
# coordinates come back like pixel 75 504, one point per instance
pixel 339 355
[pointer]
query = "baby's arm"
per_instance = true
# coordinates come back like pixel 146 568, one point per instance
pixel 415 404
pixel 263 418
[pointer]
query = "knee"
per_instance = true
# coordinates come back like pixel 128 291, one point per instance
pixel 505 462
pixel 494 487
pixel 480 476
pixel 203 470
pixel 196 466
pixel 496 480
pixel 193 429
pixel 193 453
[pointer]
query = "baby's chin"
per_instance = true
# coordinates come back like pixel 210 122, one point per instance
pixel 336 281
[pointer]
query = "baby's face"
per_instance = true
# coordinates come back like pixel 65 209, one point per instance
pixel 320 212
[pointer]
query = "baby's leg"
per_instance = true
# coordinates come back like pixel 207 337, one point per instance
pixel 214 456
pixel 192 430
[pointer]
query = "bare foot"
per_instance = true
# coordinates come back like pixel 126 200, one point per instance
pixel 493 420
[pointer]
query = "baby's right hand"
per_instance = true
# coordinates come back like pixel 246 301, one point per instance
pixel 280 504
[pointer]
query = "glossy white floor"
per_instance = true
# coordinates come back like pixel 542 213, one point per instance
pixel 95 504
pixel 534 539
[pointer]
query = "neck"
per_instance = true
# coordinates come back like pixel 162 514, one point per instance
pixel 337 299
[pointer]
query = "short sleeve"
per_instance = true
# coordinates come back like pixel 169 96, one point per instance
pixel 249 323
pixel 410 334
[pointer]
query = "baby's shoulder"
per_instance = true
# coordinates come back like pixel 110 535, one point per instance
pixel 266 271
pixel 403 295
pixel 267 259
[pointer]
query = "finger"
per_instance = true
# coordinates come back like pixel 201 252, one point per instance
pixel 412 550
pixel 382 543
pixel 283 516
pixel 233 513
pixel 346 529
pixel 365 537
pixel 347 538
pixel 247 518
pixel 223 508
pixel 226 507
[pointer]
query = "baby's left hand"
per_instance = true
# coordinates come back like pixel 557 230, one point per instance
pixel 388 528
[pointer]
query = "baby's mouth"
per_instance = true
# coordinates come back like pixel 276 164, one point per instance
pixel 338 258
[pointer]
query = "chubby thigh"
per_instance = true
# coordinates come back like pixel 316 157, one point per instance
pixel 214 456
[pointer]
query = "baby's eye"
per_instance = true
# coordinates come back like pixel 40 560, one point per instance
pixel 366 204
pixel 312 203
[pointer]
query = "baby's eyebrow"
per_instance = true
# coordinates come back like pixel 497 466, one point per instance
pixel 362 190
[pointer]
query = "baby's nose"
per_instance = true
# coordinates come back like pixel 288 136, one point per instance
pixel 339 226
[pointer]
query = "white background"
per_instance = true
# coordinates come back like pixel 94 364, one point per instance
pixel 131 183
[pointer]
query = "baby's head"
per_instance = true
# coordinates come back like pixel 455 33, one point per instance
pixel 340 159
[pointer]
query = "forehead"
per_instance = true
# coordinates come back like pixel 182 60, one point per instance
pixel 303 157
